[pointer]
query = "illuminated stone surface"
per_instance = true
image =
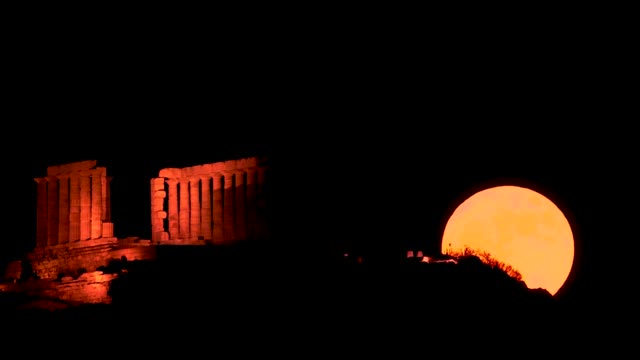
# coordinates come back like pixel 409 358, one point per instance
pixel 72 203
pixel 217 203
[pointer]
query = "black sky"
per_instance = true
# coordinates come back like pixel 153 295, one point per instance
pixel 367 149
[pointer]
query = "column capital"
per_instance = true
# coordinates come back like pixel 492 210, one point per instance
pixel 172 181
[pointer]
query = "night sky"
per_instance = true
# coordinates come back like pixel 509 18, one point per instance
pixel 360 161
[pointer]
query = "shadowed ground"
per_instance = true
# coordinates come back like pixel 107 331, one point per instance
pixel 253 290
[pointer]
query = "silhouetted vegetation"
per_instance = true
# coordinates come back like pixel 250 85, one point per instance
pixel 488 259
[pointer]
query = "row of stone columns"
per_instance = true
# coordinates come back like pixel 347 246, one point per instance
pixel 218 203
pixel 73 205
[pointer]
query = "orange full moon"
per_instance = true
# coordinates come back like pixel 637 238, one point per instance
pixel 518 227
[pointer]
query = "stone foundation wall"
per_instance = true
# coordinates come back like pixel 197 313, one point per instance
pixel 134 253
pixel 89 288
pixel 49 262
pixel 47 265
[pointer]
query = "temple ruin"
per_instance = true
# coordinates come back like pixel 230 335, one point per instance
pixel 73 204
pixel 217 204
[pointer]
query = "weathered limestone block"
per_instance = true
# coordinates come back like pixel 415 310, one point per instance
pixel 96 202
pixel 171 173
pixel 158 195
pixel 85 207
pixel 90 288
pixel 194 219
pixel 157 184
pixel 184 208
pixel 74 208
pixel 205 213
pixel 218 217
pixel 173 208
pixel 71 167
pixel 217 167
pixel 63 210
pixel 107 229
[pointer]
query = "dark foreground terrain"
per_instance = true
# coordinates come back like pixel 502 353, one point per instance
pixel 266 295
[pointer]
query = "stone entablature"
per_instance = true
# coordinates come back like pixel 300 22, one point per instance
pixel 217 203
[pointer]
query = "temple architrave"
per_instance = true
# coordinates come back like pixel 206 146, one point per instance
pixel 218 203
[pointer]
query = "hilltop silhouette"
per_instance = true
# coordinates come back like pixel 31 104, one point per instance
pixel 249 283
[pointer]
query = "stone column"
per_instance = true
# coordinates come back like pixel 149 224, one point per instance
pixel 107 225
pixel 157 210
pixel 63 209
pixel 240 214
pixel 106 197
pixel 41 219
pixel 52 211
pixel 228 206
pixel 205 214
pixel 194 222
pixel 96 203
pixel 85 206
pixel 74 207
pixel 173 208
pixel 184 208
pixel 251 203
pixel 218 235
pixel 107 229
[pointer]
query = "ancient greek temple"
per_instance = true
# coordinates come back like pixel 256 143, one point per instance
pixel 216 203
pixel 73 204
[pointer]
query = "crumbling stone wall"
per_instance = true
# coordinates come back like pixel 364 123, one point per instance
pixel 50 262
pixel 89 288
